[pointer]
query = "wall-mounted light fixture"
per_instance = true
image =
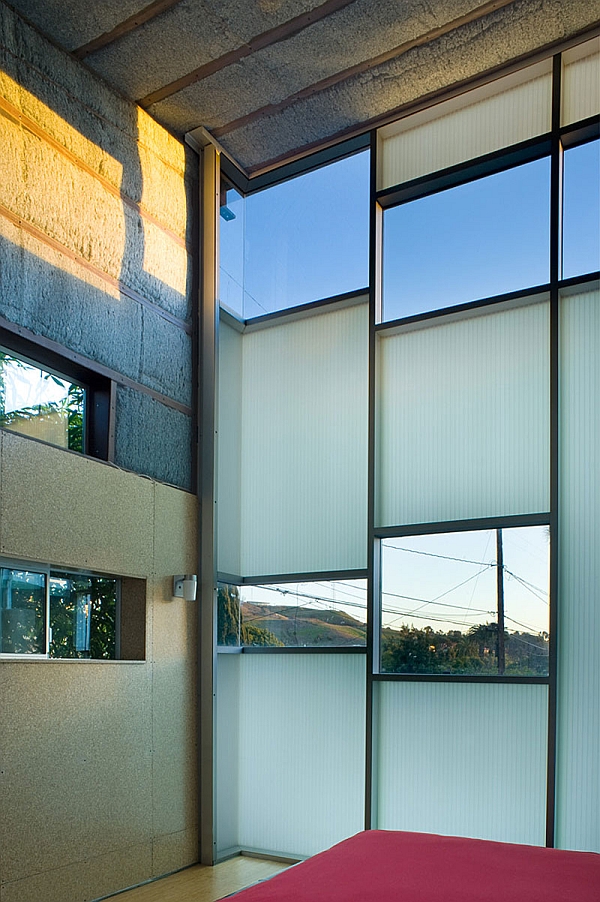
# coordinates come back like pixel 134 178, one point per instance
pixel 185 586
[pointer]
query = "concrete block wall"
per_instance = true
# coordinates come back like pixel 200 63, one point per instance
pixel 96 210
pixel 98 759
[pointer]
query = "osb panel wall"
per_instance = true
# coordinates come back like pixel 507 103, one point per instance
pixel 97 760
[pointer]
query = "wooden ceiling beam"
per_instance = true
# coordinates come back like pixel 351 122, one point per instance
pixel 270 109
pixel 266 39
pixel 109 37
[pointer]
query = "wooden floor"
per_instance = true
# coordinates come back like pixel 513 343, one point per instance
pixel 203 884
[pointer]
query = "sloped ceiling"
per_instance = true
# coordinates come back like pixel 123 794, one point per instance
pixel 273 79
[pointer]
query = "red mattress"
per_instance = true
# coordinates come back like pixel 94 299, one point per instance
pixel 386 866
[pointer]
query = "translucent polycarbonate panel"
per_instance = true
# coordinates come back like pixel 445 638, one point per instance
pixel 463 759
pixel 304 444
pixel 581 209
pixel 325 613
pixel 301 751
pixel 581 82
pixel 505 112
pixel 463 418
pixel 229 446
pixel 487 237
pixel 227 751
pixel 474 602
pixel 302 240
pixel 578 775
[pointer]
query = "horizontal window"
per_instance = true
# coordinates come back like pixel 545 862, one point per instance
pixel 487 237
pixel 466 603
pixel 57 614
pixel 294 615
pixel 298 241
pixel 53 398
pixel 41 403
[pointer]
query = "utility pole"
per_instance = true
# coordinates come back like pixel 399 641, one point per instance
pixel 500 593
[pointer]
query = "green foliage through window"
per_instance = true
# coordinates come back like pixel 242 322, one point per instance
pixel 41 404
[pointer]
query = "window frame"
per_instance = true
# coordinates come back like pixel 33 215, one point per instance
pixel 49 572
pixel 99 390
pixel 457 526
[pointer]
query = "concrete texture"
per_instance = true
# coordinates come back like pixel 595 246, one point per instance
pixel 153 439
pixel 73 24
pixel 94 195
pixel 194 32
pixel 187 36
pixel 220 98
pixel 166 357
pixel 465 53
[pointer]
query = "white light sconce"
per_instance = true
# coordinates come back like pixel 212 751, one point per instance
pixel 185 586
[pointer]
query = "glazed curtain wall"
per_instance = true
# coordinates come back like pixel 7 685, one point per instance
pixel 483 413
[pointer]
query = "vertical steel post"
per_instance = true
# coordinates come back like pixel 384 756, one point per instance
pixel 500 593
pixel 207 388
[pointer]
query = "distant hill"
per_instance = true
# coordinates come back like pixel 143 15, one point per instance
pixel 305 626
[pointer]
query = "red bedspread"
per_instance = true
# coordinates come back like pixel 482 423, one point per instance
pixel 386 866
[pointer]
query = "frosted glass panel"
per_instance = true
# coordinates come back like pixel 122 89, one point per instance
pixel 509 110
pixel 581 82
pixel 229 439
pixel 466 760
pixel 304 444
pixel 463 418
pixel 301 751
pixel 578 800
pixel 227 751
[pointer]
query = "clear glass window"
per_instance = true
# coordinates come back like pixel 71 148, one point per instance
pixel 22 612
pixel 477 240
pixel 40 404
pixel 83 616
pixel 581 209
pixel 316 614
pixel 466 603
pixel 302 240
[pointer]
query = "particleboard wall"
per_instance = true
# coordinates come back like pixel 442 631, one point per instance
pixel 97 760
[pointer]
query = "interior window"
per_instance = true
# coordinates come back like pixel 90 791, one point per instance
pixel 41 403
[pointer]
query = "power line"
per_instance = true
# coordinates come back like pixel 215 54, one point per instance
pixel 444 557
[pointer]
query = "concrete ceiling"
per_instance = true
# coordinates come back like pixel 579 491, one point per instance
pixel 273 79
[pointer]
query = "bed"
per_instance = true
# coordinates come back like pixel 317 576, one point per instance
pixel 390 866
